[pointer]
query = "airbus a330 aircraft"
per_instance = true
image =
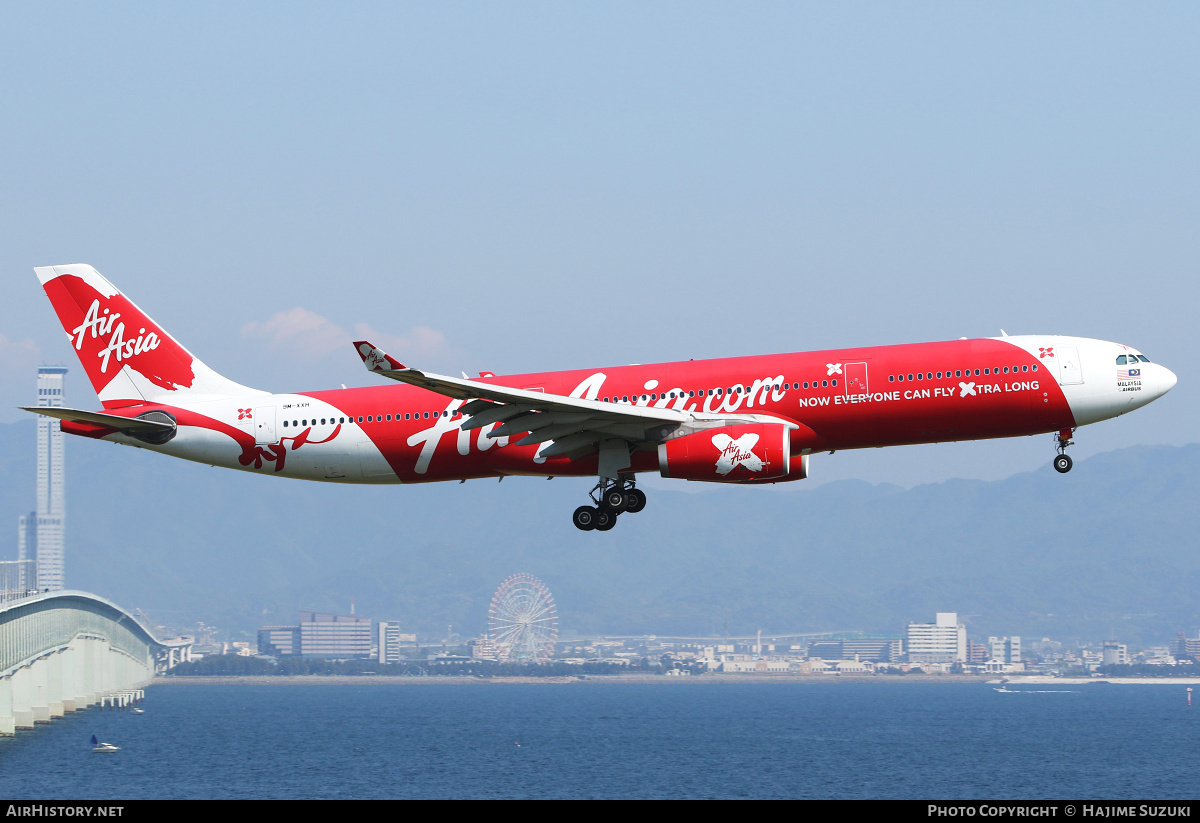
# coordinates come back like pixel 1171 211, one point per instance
pixel 733 420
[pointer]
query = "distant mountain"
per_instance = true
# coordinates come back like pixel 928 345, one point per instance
pixel 1108 550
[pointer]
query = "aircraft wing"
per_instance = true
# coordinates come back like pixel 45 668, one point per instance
pixel 574 424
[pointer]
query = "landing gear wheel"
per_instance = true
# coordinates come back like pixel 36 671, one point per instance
pixel 1062 464
pixel 586 518
pixel 605 520
pixel 615 498
pixel 635 501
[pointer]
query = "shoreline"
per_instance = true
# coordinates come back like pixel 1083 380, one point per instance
pixel 619 679
pixel 655 679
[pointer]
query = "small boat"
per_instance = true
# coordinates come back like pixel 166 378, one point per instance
pixel 139 711
pixel 97 746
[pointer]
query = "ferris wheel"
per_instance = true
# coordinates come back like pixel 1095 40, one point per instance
pixel 522 620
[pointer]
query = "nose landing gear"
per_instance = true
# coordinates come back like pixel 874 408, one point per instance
pixel 1063 462
pixel 611 499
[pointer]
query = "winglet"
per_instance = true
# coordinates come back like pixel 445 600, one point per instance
pixel 376 359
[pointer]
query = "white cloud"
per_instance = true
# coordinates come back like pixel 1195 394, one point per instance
pixel 300 330
pixel 315 337
pixel 421 345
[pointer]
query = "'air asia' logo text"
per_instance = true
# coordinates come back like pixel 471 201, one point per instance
pixel 112 335
pixel 736 453
pixel 104 324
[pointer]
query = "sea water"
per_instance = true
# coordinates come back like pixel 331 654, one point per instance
pixel 620 740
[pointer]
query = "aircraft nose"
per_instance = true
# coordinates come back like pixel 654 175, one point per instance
pixel 1167 381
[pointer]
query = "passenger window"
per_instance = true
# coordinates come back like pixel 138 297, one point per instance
pixel 824 382
pixel 891 378
pixel 919 375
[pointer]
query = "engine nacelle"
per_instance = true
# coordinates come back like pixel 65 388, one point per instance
pixel 742 453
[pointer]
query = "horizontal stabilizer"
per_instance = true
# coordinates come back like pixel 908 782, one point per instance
pixel 112 421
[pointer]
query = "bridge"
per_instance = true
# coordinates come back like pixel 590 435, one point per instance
pixel 66 650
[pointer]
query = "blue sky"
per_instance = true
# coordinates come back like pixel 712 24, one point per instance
pixel 519 187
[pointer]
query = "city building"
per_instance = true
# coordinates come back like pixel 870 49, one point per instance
pixel 1005 649
pixel 482 648
pixel 1186 648
pixel 826 649
pixel 1114 654
pixel 334 635
pixel 318 635
pixel 874 648
pixel 390 640
pixel 41 533
pixel 943 641
pixel 279 641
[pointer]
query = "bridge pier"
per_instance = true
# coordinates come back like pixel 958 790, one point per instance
pixel 8 725
pixel 70 678
pixel 22 698
pixel 40 676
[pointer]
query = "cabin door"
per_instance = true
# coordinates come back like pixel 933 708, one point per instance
pixel 1070 372
pixel 264 426
pixel 856 378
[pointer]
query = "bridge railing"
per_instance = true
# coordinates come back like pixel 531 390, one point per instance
pixel 16 580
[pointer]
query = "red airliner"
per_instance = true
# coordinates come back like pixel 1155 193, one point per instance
pixel 731 420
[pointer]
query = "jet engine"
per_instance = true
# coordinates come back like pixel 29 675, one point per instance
pixel 739 453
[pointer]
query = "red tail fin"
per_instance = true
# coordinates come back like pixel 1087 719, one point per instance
pixel 127 356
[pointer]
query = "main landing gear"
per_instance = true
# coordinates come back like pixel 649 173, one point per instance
pixel 611 499
pixel 1063 463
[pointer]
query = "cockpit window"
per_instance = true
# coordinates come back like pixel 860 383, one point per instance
pixel 1121 360
pixel 1143 358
